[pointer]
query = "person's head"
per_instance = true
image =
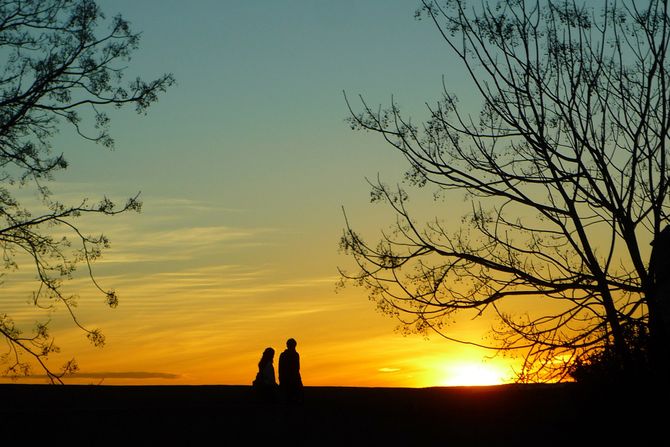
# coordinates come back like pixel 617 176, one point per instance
pixel 268 355
pixel 291 343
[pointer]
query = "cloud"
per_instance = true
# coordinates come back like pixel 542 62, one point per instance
pixel 171 203
pixel 126 375
pixel 203 235
pixel 139 375
pixel 182 242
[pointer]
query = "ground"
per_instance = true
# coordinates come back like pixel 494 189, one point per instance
pixel 518 415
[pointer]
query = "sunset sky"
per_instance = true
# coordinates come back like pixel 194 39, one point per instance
pixel 244 168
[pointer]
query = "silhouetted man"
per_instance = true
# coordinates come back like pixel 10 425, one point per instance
pixel 290 381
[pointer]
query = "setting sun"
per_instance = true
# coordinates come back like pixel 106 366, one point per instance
pixel 474 374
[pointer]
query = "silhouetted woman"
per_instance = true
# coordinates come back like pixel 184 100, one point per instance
pixel 265 383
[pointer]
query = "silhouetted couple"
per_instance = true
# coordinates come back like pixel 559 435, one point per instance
pixel 290 382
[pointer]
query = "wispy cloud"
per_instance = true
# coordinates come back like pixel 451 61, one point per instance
pixel 125 375
pixel 158 241
pixel 139 375
pixel 204 235
pixel 185 204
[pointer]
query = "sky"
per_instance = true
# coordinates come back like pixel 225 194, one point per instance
pixel 244 169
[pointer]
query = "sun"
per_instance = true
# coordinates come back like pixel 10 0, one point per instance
pixel 473 374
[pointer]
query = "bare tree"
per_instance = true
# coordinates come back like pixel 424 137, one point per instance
pixel 566 168
pixel 59 68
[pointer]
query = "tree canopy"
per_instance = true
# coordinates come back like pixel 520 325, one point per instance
pixel 566 170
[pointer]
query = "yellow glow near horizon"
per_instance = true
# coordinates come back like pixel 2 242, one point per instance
pixel 474 374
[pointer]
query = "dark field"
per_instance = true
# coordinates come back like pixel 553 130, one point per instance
pixel 518 415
